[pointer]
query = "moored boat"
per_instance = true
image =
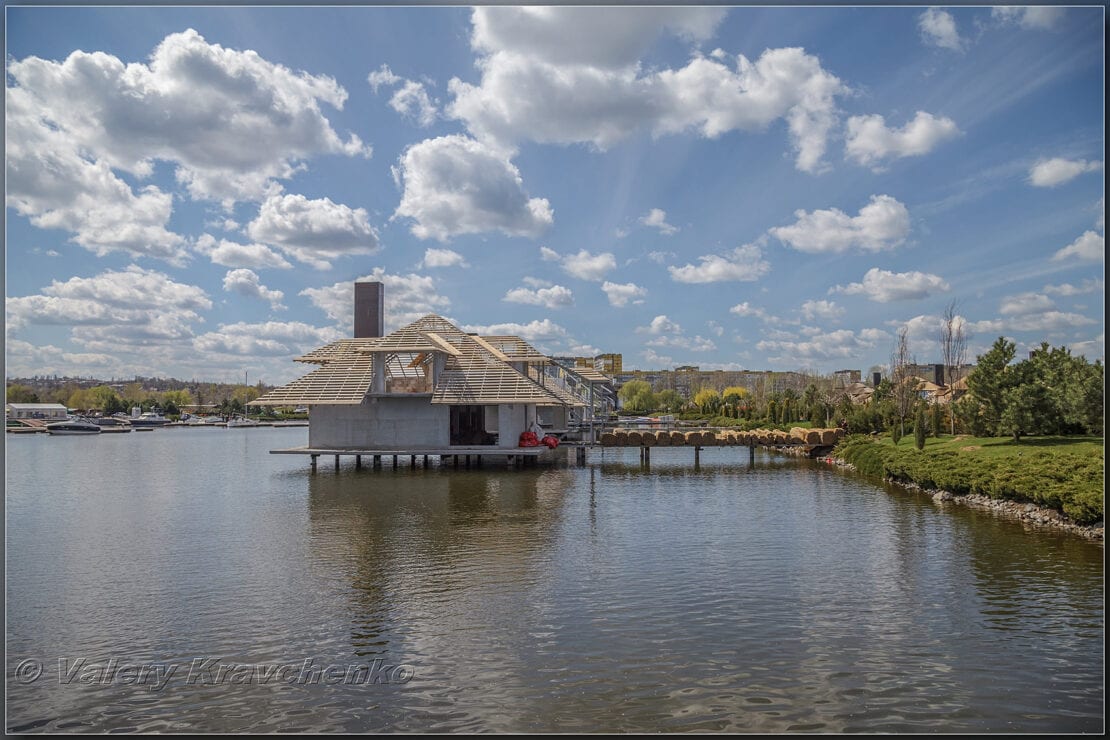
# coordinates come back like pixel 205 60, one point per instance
pixel 149 419
pixel 113 425
pixel 73 426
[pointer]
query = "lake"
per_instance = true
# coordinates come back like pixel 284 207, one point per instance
pixel 186 580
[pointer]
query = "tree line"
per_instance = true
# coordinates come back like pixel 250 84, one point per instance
pixel 227 399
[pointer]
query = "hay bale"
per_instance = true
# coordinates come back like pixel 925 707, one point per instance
pixel 677 439
pixel 648 439
pixel 663 439
pixel 608 439
pixel 828 436
pixel 798 434
pixel 813 437
pixel 622 437
pixel 635 439
pixel 693 439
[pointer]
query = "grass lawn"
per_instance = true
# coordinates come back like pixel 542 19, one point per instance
pixel 1000 447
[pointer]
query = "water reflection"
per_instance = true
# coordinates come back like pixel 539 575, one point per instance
pixel 775 596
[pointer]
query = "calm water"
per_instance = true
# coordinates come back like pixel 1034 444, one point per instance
pixel 781 597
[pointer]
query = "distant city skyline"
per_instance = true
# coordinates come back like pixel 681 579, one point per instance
pixel 192 192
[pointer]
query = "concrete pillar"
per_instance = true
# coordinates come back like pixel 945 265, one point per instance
pixel 377 384
pixel 313 462
pixel 358 462
pixel 337 463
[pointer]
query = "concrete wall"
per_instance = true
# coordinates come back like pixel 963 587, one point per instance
pixel 512 419
pixel 381 423
pixel 553 417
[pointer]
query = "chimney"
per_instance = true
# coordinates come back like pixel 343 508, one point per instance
pixel 938 374
pixel 369 310
pixel 876 378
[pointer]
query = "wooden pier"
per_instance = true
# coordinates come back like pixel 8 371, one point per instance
pixel 457 456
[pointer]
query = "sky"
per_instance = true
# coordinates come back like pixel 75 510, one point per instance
pixel 191 192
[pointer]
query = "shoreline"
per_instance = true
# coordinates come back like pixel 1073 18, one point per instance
pixel 1024 512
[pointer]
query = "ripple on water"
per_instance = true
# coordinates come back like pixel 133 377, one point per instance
pixel 781 598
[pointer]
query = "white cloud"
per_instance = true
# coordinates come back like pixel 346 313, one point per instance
pixel 114 311
pixel 582 91
pixel 233 254
pixel 882 224
pixel 660 325
pixel 455 185
pixel 583 265
pixel 620 294
pixel 1040 17
pixel 1025 303
pixel 55 183
pixel 1048 173
pixel 246 282
pixel 383 76
pixel 1045 321
pixel 745 263
pixel 1090 285
pixel 267 339
pixel 534 282
pixel 869 141
pixel 938 28
pixel 746 309
pixel 841 344
pixel 556 296
pixel 412 101
pixel 828 310
pixel 231 121
pixel 660 258
pixel 1089 247
pixel 883 286
pixel 407 298
pixel 696 344
pixel 313 231
pixel 657 219
pixel 443 258
pixel 600 37
pixel 654 359
pixel 532 331
pixel 1092 349
pixel 716 328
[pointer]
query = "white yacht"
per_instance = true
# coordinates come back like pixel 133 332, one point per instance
pixel 73 425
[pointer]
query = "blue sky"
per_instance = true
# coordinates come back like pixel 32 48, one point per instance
pixel 192 191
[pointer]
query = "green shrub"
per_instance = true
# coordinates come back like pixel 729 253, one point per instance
pixel 1067 482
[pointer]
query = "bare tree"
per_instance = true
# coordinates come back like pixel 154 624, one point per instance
pixel 905 390
pixel 953 350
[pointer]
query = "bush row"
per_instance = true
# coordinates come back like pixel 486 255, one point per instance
pixel 1066 481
